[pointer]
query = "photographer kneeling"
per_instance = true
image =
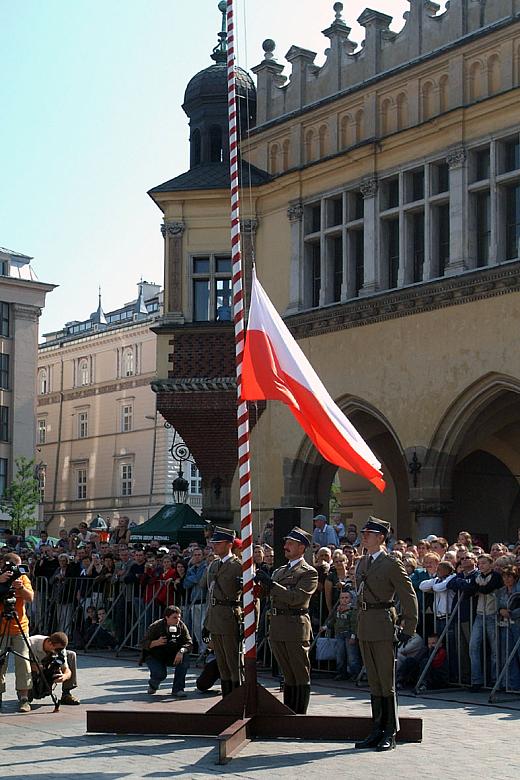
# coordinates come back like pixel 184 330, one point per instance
pixel 167 642
pixel 58 664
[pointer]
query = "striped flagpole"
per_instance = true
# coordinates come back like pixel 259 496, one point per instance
pixel 246 525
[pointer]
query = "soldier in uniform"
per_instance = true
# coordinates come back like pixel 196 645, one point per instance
pixel 223 617
pixel 291 588
pixel 380 578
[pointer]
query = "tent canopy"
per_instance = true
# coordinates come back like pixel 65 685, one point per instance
pixel 172 523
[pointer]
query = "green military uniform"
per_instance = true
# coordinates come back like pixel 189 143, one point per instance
pixel 380 579
pixel 378 584
pixel 291 588
pixel 223 618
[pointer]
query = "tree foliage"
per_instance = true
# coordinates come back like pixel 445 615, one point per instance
pixel 22 496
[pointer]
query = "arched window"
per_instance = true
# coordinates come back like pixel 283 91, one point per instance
pixel 359 130
pixel 323 137
pixel 475 81
pixel 443 93
pixel 309 144
pixel 345 131
pixel 195 147
pixel 128 362
pixel 427 100
pixel 402 111
pixel 386 108
pixel 84 376
pixel 43 381
pixel 285 154
pixel 273 159
pixel 215 143
pixel 493 74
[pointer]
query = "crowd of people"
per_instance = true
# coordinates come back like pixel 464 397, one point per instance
pixel 105 592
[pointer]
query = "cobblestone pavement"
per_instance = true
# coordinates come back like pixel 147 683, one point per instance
pixel 462 737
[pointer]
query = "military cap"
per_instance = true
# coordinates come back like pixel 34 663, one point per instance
pixel 377 526
pixel 299 535
pixel 222 535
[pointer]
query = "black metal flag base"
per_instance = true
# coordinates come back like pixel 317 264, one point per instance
pixel 228 722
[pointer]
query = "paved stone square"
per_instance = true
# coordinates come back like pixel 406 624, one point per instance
pixel 462 737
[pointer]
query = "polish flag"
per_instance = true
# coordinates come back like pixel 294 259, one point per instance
pixel 274 368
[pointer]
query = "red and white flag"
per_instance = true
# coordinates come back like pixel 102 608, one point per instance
pixel 274 368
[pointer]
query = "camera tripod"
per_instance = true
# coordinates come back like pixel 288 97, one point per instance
pixel 8 618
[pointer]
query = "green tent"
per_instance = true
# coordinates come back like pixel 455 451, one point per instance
pixel 172 523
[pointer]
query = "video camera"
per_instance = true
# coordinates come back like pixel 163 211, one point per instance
pixel 43 680
pixel 7 594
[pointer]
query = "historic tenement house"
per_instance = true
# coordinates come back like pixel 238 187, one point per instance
pixel 381 202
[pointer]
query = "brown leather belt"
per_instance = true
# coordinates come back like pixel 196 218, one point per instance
pixel 277 611
pixel 376 605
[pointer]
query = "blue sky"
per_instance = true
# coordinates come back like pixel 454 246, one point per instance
pixel 90 97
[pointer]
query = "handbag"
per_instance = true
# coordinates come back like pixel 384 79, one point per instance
pixel 325 648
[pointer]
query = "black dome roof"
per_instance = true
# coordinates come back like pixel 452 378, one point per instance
pixel 212 83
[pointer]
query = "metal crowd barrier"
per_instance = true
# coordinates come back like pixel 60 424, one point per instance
pixel 130 608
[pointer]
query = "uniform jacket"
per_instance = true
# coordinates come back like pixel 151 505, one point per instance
pixel 292 588
pixel 224 584
pixel 383 581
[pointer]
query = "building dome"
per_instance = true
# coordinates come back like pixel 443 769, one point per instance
pixel 211 84
pixel 206 105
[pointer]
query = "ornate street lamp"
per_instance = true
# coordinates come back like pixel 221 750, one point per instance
pixel 180 453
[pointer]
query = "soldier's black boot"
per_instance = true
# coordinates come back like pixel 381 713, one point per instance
pixel 375 735
pixel 302 702
pixel 227 687
pixel 387 741
pixel 289 696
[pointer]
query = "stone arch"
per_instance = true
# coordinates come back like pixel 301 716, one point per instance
pixel 386 116
pixel 323 141
pixel 427 100
pixel 485 418
pixel 345 128
pixel 286 148
pixel 308 476
pixel 309 146
pixel 475 80
pixel 402 110
pixel 359 126
pixel 444 93
pixel 274 154
pixel 493 74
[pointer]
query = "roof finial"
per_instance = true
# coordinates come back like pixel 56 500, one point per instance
pixel 338 8
pixel 220 51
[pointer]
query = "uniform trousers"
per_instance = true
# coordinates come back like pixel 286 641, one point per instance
pixel 293 660
pixel 227 652
pixel 378 658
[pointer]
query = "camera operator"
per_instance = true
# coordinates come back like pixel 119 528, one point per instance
pixel 51 652
pixel 11 634
pixel 167 643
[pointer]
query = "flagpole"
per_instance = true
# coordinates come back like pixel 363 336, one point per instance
pixel 246 525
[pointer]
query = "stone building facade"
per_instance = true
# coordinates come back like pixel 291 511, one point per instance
pixel 104 449
pixel 22 298
pixel 383 206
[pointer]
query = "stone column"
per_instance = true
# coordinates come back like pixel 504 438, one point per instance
pixel 456 159
pixel 173 261
pixel 295 216
pixel 371 245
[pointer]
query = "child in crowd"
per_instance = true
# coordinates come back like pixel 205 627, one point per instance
pixel 344 623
